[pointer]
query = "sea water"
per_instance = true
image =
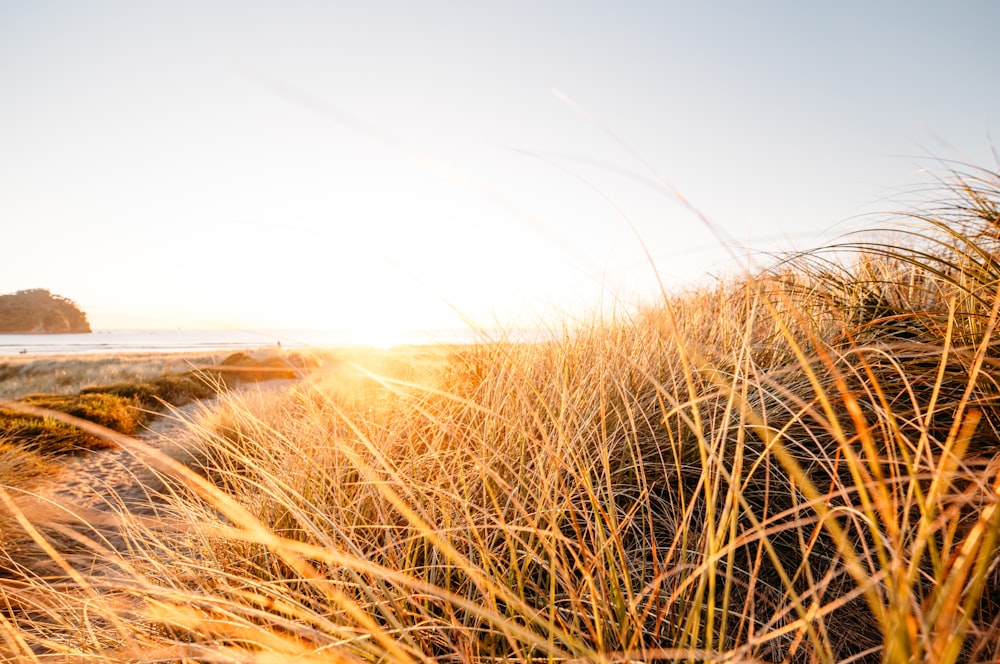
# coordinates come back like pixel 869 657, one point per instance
pixel 170 341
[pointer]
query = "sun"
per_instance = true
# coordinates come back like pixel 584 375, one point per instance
pixel 370 326
pixel 365 304
pixel 383 337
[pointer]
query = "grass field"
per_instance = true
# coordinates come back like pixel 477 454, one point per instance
pixel 800 465
pixel 21 375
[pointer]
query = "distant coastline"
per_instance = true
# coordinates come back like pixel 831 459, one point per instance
pixel 38 311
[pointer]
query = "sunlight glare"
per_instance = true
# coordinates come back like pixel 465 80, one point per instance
pixel 383 338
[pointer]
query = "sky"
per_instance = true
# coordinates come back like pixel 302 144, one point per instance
pixel 386 166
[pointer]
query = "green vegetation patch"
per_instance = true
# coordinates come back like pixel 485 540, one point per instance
pixel 113 412
pixel 126 406
pixel 49 436
pixel 45 436
pixel 122 407
pixel 173 389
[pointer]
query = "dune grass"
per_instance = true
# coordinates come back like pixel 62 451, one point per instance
pixel 801 465
pixel 125 406
pixel 21 375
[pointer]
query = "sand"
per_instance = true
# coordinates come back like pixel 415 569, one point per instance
pixel 88 506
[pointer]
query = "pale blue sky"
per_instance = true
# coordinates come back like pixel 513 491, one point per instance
pixel 379 165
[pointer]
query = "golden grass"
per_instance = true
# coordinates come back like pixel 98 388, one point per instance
pixel 798 466
pixel 21 375
pixel 127 406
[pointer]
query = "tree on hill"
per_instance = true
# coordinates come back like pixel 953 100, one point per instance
pixel 37 311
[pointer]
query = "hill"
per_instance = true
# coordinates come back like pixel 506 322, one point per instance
pixel 37 311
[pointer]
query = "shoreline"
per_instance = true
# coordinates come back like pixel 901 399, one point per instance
pixel 110 342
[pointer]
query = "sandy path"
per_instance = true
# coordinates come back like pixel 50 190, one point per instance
pixel 85 509
pixel 91 495
pixel 105 478
pixel 94 562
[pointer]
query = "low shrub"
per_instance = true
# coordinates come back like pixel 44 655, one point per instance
pixel 44 436
pixel 118 413
pixel 171 389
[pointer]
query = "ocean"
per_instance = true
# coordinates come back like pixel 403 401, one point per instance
pixel 170 341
